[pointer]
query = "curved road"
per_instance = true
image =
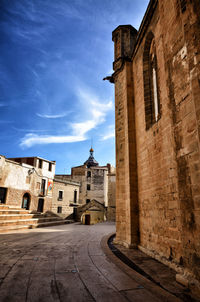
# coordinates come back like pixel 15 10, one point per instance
pixel 64 263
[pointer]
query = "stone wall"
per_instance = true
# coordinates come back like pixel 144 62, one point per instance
pixel 19 178
pixel 67 201
pixel 111 208
pixel 97 181
pixel 95 210
pixel 158 165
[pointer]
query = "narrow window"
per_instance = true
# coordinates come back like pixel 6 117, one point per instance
pixel 88 187
pixel 150 77
pixel 43 187
pixel 50 166
pixel 87 200
pixel 155 91
pixel 183 5
pixel 59 210
pixel 88 173
pixel 60 195
pixel 75 196
pixel 40 164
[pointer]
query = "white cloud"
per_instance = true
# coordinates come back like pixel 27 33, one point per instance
pixel 52 115
pixel 110 133
pixel 32 139
pixel 96 112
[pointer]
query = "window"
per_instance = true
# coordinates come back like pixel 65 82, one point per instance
pixel 3 192
pixel 88 187
pixel 75 196
pixel 40 164
pixel 88 173
pixel 183 5
pixel 87 200
pixel 59 210
pixel 60 195
pixel 50 166
pixel 43 187
pixel 150 77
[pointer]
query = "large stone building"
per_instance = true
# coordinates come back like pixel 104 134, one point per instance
pixel 97 186
pixel 65 197
pixel 157 97
pixel 29 183
pixel 93 178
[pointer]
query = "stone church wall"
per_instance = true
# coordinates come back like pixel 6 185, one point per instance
pixel 158 162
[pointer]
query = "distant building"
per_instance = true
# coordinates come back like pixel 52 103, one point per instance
pixel 31 183
pixel 97 184
pixel 65 197
pixel 27 182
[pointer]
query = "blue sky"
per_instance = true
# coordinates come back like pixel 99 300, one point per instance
pixel 54 55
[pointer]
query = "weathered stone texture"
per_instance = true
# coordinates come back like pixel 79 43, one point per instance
pixel 111 209
pixel 67 202
pixel 158 170
pixel 23 176
pixel 97 181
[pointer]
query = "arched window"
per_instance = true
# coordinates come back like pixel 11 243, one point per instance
pixel 26 201
pixel 150 76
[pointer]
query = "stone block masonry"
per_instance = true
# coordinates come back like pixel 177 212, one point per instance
pixel 157 89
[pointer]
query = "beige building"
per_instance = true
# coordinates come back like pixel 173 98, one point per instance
pixel 97 183
pixel 91 213
pixel 27 182
pixel 65 197
pixel 157 101
pixel 93 178
pixel 111 207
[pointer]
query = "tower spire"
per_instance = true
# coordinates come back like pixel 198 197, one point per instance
pixel 91 161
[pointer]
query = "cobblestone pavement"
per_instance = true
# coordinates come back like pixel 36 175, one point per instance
pixel 69 263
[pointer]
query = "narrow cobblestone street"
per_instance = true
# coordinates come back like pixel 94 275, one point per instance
pixel 68 263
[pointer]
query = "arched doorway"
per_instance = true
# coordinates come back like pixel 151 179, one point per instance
pixel 26 201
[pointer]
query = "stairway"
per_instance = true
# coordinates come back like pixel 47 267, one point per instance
pixel 13 219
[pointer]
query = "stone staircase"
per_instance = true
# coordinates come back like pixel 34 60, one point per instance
pixel 13 219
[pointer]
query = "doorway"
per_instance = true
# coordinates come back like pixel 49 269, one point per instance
pixel 87 219
pixel 3 192
pixel 40 205
pixel 26 201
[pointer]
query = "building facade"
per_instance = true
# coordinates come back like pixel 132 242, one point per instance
pixel 97 185
pixel 111 208
pixel 65 197
pixel 157 101
pixel 93 178
pixel 27 182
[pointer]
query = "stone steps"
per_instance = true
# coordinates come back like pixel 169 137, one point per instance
pixel 29 221
pixel 14 218
pixel 5 207
pixel 7 229
pixel 17 216
pixel 10 212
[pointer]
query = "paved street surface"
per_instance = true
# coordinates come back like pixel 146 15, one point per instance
pixel 69 263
